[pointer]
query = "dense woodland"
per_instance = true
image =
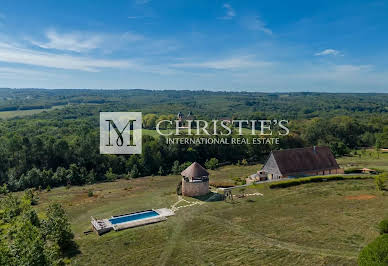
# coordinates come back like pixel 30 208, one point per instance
pixel 61 146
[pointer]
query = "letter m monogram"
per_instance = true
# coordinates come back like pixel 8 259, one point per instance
pixel 120 132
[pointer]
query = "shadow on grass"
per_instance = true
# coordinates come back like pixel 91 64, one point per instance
pixel 210 197
pixel 72 250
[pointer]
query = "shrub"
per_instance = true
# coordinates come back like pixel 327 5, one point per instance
pixel 304 180
pixel 4 189
pixel 383 227
pixel 244 162
pixel 211 163
pixel 183 166
pixel 134 172
pixel 375 253
pixel 30 197
pixel 48 188
pixel 160 171
pixel 110 176
pixel 90 193
pixel 379 180
pixel 175 168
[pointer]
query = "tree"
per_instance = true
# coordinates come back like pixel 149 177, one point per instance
pixel 30 197
pixel 149 121
pixel 56 227
pixel 27 247
pixel 212 163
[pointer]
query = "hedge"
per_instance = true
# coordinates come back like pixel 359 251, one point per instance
pixel 313 179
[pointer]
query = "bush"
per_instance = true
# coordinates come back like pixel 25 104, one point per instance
pixel 375 253
pixel 134 172
pixel 110 176
pixel 304 180
pixel 380 180
pixel 383 227
pixel 48 188
pixel 175 168
pixel 90 193
pixel 212 163
pixel 30 197
pixel 4 189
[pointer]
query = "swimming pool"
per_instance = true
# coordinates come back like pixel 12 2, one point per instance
pixel 133 217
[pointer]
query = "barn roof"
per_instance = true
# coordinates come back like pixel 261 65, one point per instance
pixel 304 160
pixel 195 170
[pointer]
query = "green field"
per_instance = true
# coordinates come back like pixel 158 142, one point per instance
pixel 369 159
pixel 22 113
pixel 312 224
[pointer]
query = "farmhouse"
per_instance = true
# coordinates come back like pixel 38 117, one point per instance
pixel 299 162
pixel 195 181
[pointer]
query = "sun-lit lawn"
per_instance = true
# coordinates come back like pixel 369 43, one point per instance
pixel 312 224
pixel 369 159
pixel 21 113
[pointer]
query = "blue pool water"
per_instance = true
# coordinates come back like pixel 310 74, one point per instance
pixel 133 217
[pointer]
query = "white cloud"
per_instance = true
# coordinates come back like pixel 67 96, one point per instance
pixel 232 63
pixel 13 54
pixel 328 52
pixel 230 13
pixel 256 24
pixel 76 42
pixel 84 41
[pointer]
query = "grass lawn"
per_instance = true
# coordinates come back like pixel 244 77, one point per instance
pixel 368 159
pixel 21 113
pixel 311 224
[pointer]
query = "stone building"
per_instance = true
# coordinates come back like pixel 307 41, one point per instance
pixel 299 162
pixel 195 181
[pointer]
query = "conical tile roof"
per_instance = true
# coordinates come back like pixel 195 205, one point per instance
pixel 195 170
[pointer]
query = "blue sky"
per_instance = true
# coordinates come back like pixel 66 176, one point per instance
pixel 270 46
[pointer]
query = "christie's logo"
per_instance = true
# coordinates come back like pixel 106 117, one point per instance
pixel 120 132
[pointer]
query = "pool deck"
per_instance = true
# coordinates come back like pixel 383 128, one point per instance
pixel 104 225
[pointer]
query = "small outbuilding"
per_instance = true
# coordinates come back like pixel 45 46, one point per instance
pixel 195 181
pixel 300 162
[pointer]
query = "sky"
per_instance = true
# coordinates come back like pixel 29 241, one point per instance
pixel 268 46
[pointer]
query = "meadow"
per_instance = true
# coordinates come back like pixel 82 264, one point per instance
pixel 23 113
pixel 317 223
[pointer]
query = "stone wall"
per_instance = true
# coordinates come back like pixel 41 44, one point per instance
pixel 193 189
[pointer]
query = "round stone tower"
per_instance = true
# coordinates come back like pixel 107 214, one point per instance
pixel 195 181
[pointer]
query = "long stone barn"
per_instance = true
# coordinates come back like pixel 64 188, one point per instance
pixel 299 162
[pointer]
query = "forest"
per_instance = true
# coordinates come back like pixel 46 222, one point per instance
pixel 60 147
